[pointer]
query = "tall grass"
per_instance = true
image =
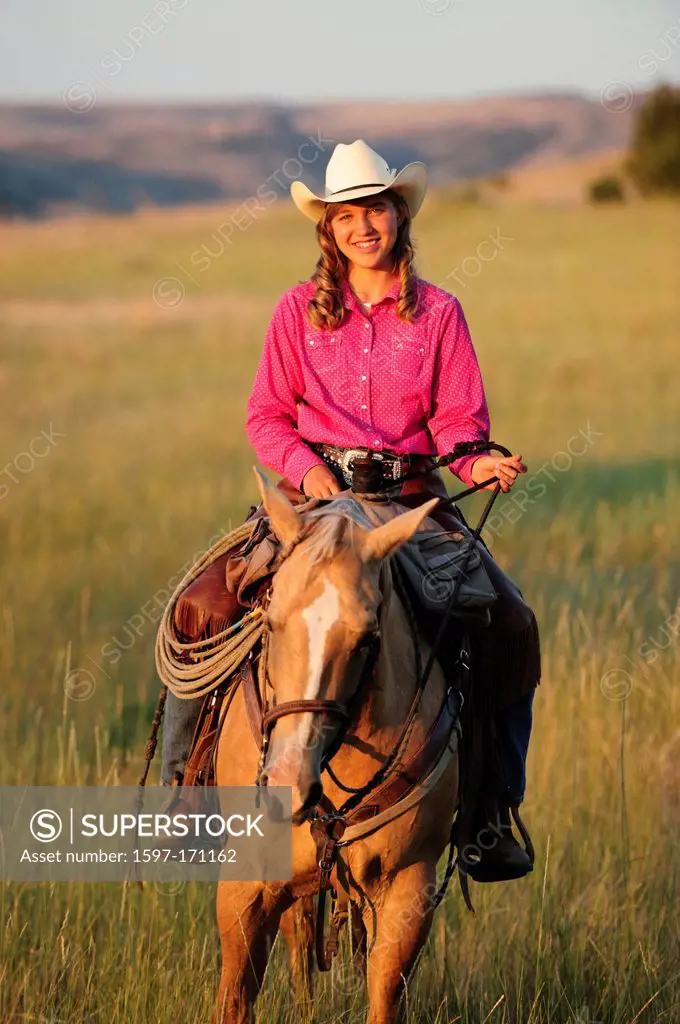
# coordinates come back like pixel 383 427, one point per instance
pixel 575 324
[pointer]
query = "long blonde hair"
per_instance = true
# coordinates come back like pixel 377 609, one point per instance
pixel 326 309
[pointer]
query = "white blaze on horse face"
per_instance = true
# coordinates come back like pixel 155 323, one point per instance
pixel 319 616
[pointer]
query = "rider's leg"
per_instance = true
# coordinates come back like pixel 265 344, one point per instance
pixel 514 731
pixel 497 856
pixel 179 723
pixel 204 609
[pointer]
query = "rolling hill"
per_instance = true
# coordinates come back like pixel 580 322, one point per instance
pixel 119 157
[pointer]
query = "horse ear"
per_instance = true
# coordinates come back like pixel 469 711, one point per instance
pixel 285 521
pixel 384 540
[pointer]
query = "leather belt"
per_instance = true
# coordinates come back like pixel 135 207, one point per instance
pixel 392 465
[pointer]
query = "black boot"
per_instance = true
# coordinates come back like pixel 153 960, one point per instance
pixel 493 854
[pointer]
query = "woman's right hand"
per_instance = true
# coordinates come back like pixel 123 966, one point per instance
pixel 320 482
pixel 505 469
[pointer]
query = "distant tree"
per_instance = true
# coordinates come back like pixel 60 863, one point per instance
pixel 468 193
pixel 607 189
pixel 500 181
pixel 654 157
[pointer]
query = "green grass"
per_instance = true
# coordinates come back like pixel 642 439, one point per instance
pixel 575 322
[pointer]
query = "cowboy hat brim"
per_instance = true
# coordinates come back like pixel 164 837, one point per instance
pixel 411 183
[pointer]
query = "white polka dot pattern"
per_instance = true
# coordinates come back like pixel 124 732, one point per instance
pixel 375 382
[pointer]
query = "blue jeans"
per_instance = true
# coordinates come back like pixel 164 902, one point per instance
pixel 514 730
pixel 179 723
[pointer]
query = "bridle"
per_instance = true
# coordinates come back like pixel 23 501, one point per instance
pixel 344 711
pixel 271 716
pixel 329 826
pixel 369 646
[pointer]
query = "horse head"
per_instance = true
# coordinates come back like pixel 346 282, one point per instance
pixel 324 610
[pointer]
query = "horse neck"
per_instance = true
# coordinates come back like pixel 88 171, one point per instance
pixel 390 694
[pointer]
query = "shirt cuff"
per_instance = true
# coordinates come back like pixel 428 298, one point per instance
pixel 462 468
pixel 299 464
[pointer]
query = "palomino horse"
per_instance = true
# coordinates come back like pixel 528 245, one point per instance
pixel 333 589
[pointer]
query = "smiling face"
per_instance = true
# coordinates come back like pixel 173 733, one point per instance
pixel 365 231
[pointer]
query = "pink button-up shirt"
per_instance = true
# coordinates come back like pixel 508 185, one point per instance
pixel 375 382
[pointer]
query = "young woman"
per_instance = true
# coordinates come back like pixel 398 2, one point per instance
pixel 368 355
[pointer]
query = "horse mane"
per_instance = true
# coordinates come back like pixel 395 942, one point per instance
pixel 334 528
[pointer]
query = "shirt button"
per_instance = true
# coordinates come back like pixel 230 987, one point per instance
pixel 367 325
pixel 365 350
pixel 363 376
pixel 363 406
pixel 377 441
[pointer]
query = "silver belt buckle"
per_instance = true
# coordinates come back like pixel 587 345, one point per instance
pixel 350 454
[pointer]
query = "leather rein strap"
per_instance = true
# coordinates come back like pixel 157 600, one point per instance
pixel 330 830
pixel 297 707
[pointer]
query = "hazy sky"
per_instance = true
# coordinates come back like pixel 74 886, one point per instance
pixel 317 49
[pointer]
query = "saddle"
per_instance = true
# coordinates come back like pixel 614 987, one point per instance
pixel 433 563
pixel 429 564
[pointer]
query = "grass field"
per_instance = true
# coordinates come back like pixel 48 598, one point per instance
pixel 576 320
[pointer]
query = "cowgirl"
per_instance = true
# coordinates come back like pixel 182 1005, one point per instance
pixel 368 355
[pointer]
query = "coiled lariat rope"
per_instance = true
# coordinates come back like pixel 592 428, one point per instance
pixel 193 669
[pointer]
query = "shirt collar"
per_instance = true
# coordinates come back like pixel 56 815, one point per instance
pixel 351 301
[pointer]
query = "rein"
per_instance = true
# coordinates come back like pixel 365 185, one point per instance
pixel 330 828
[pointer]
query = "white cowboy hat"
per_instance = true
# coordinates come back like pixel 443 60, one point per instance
pixel 355 171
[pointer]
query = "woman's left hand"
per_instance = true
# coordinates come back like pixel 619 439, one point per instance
pixel 504 467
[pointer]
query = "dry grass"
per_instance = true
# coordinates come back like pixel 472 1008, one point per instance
pixel 575 322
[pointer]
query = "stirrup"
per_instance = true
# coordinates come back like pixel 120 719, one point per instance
pixel 505 859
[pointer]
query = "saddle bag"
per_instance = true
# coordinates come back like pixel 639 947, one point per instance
pixel 435 562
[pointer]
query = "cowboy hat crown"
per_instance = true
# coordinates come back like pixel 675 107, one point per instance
pixel 355 171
